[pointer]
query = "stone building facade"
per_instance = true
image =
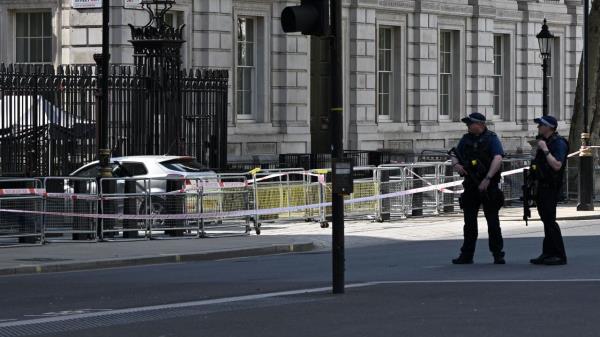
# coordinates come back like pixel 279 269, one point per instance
pixel 412 67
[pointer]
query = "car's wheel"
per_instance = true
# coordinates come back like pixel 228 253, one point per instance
pixel 156 207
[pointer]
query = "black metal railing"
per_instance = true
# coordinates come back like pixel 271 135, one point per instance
pixel 48 116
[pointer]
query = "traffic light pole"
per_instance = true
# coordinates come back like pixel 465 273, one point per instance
pixel 313 17
pixel 337 147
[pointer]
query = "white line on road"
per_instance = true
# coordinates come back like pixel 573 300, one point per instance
pixel 46 320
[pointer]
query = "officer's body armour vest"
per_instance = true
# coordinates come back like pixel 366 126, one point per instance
pixel 478 156
pixel 542 170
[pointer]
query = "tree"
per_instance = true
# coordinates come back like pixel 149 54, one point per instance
pixel 594 85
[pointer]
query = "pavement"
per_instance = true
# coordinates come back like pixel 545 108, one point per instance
pixel 276 238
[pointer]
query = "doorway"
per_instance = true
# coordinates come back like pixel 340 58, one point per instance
pixel 320 94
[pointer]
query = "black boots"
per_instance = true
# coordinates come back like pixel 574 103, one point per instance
pixel 549 260
pixel 499 258
pixel 464 259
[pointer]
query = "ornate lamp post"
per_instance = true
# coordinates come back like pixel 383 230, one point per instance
pixel 102 63
pixel 545 39
pixel 157 44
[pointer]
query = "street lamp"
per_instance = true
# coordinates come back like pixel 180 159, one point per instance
pixel 102 62
pixel 545 39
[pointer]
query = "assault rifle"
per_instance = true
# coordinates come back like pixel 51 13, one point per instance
pixel 529 189
pixel 475 169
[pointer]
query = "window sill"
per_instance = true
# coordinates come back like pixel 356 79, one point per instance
pixel 384 119
pixel 245 119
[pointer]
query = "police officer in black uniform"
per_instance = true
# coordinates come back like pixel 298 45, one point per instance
pixel 548 169
pixel 478 158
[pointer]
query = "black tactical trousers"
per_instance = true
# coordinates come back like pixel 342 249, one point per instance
pixel 492 201
pixel 547 198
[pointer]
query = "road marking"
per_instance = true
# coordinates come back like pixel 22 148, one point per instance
pixel 226 300
pixel 68 312
pixel 583 280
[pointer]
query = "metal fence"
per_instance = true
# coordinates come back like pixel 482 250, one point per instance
pixel 48 116
pixel 67 208
pixel 66 198
pixel 16 226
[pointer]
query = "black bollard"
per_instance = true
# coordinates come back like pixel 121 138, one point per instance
pixel 79 207
pixel 448 198
pixel 174 205
pixel 384 188
pixel 130 207
pixel 417 198
pixel 109 186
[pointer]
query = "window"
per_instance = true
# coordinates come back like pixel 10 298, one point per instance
pixel 446 73
pixel 499 73
pixel 189 165
pixel 171 19
pixel 33 37
pixel 246 69
pixel 174 19
pixel 130 169
pixel 385 72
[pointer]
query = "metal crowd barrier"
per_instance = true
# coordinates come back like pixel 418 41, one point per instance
pixel 365 185
pixel 67 197
pixel 402 177
pixel 512 185
pixel 232 193
pixel 178 196
pixel 228 204
pixel 288 189
pixel 127 197
pixel 21 195
pixel 448 197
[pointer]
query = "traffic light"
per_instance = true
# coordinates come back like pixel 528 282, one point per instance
pixel 310 18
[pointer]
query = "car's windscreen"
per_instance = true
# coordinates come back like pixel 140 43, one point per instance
pixel 184 165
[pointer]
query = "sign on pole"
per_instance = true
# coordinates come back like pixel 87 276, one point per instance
pixel 79 4
pixel 136 4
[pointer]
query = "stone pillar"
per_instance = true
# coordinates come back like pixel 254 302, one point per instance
pixel 290 60
pixel 363 74
pixel 422 69
pixel 479 57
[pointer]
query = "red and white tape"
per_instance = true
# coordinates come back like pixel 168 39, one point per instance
pixel 22 191
pixel 234 214
pixel 242 213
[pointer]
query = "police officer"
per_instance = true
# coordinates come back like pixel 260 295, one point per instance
pixel 478 158
pixel 548 169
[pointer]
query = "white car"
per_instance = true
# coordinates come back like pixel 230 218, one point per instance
pixel 153 173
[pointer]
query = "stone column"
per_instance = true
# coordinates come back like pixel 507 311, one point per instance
pixel 363 74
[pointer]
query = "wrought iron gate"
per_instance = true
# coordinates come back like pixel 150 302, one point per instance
pixel 48 115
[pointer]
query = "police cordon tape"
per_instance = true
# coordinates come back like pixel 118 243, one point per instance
pixel 236 214
pixel 245 213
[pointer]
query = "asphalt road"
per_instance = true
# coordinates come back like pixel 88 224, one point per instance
pixel 402 288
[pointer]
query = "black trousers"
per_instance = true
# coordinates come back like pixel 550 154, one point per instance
pixel 471 201
pixel 547 198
